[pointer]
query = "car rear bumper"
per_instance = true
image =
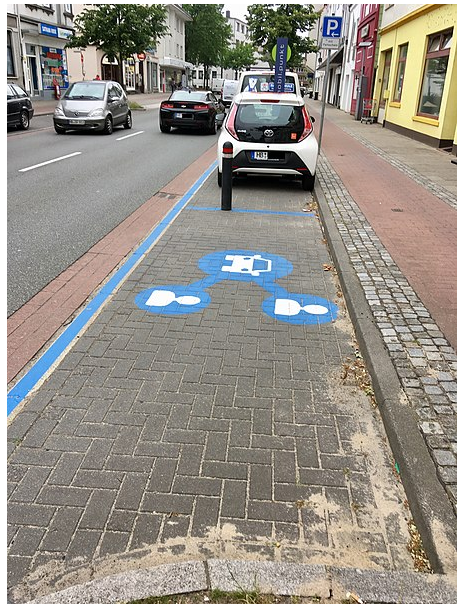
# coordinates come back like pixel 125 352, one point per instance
pixel 198 120
pixel 283 162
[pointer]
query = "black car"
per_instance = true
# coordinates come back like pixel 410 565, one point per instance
pixel 19 106
pixel 192 109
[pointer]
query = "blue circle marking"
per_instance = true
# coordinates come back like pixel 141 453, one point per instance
pixel 173 299
pixel 300 309
pixel 246 266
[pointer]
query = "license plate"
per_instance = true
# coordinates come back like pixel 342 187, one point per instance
pixel 178 115
pixel 76 121
pixel 259 155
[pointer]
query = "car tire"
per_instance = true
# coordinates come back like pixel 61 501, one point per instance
pixel 24 120
pixel 164 128
pixel 219 179
pixel 308 182
pixel 59 129
pixel 128 121
pixel 108 126
pixel 213 130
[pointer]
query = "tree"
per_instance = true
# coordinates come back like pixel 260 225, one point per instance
pixel 268 22
pixel 119 30
pixel 206 36
pixel 239 57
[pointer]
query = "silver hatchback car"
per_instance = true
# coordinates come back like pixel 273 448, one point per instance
pixel 97 105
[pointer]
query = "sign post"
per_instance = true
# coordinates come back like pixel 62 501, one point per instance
pixel 331 30
pixel 280 64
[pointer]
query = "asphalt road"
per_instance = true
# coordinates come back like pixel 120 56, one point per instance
pixel 58 211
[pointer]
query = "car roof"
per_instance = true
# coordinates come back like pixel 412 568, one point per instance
pixel 283 98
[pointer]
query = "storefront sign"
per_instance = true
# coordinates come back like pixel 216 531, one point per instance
pixel 48 30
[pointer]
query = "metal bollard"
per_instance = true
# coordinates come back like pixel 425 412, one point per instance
pixel 227 177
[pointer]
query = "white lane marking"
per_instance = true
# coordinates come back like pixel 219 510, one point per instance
pixel 131 135
pixel 35 166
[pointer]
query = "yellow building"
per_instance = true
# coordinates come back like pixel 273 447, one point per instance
pixel 416 83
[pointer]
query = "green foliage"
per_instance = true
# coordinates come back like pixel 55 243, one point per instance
pixel 120 30
pixel 268 22
pixel 239 57
pixel 207 35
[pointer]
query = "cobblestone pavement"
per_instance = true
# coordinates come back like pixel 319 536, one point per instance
pixel 220 433
pixel 424 360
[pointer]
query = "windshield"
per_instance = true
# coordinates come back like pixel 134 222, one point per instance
pixel 264 83
pixel 86 90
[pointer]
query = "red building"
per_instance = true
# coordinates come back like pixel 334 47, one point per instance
pixel 365 64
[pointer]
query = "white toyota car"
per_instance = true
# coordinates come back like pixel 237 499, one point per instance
pixel 271 133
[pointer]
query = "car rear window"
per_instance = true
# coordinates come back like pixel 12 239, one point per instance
pixel 269 115
pixel 264 83
pixel 188 96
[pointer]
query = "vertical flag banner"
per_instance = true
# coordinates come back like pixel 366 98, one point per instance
pixel 280 64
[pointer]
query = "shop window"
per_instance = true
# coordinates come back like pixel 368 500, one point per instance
pixel 9 56
pixel 436 65
pixel 385 78
pixel 400 73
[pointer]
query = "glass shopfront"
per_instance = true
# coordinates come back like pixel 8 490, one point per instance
pixel 54 67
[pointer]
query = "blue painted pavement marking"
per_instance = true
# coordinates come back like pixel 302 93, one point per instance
pixel 259 211
pixel 28 382
pixel 245 266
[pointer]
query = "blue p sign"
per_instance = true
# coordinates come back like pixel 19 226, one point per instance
pixel 331 27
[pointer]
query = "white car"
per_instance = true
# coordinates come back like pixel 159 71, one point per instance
pixel 272 134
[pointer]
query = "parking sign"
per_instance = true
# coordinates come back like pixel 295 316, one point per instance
pixel 331 31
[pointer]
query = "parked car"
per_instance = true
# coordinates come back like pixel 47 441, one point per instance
pixel 228 91
pixel 92 105
pixel 272 134
pixel 257 81
pixel 191 109
pixel 19 106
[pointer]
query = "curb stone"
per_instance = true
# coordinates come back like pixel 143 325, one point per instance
pixel 428 501
pixel 280 579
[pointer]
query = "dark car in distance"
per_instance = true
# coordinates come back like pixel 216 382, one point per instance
pixel 193 110
pixel 19 106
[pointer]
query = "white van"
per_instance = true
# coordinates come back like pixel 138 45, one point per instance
pixel 217 85
pixel 257 81
pixel 228 91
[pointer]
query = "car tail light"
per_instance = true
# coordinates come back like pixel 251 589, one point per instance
pixel 201 106
pixel 167 105
pixel 308 128
pixel 230 122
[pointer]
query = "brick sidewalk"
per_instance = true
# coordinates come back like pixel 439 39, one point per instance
pixel 220 432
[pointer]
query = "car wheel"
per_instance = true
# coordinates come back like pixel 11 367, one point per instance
pixel 24 121
pixel 213 129
pixel 59 129
pixel 219 179
pixel 164 128
pixel 308 182
pixel 108 126
pixel 128 121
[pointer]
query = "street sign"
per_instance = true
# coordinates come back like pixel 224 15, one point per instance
pixel 331 31
pixel 280 64
pixel 141 56
pixel 331 27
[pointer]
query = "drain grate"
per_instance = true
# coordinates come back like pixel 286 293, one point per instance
pixel 397 210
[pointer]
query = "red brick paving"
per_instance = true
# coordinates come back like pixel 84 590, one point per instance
pixel 421 238
pixel 35 323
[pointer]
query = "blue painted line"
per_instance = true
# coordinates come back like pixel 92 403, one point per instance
pixel 20 390
pixel 259 211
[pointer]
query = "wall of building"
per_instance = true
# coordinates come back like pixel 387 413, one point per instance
pixel 414 30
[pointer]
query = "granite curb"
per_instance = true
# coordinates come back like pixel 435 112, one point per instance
pixel 429 503
pixel 280 579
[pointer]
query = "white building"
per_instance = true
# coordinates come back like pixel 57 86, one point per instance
pixel 150 71
pixel 36 57
pixel 352 16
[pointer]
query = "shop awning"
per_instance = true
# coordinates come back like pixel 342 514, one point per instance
pixel 335 59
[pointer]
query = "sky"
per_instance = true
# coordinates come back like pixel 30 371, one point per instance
pixel 238 9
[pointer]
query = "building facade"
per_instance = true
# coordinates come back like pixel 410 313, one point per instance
pixel 417 72
pixel 36 54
